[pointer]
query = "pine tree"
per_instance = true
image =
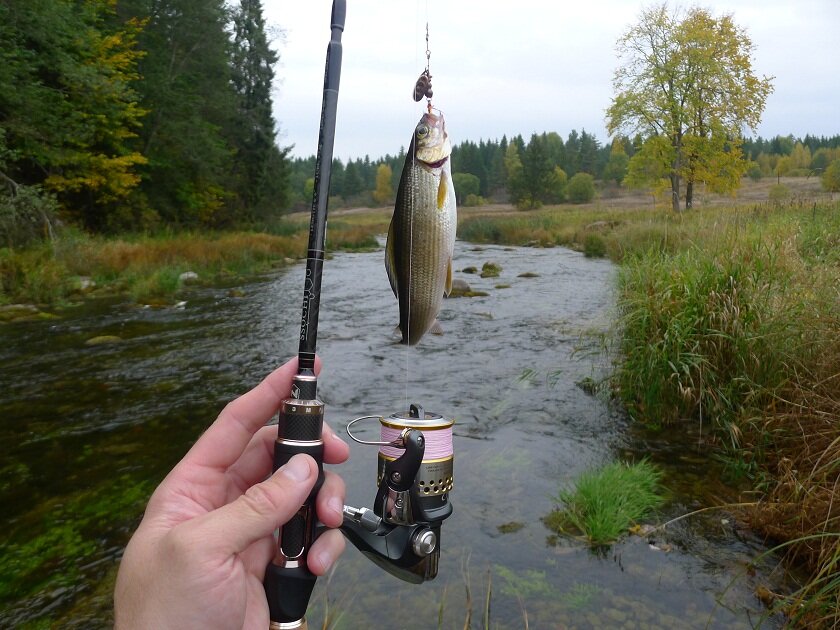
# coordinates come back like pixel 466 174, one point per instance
pixel 261 165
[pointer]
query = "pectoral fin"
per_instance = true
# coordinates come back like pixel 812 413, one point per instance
pixel 390 260
pixel 443 188
pixel 436 328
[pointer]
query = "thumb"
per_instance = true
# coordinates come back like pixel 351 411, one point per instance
pixel 232 528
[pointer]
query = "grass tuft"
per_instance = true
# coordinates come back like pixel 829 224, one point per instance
pixel 604 502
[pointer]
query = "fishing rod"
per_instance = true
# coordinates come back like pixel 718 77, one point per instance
pixel 401 533
pixel 288 582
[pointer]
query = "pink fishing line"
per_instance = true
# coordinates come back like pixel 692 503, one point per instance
pixel 438 443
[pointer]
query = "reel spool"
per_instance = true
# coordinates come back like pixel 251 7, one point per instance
pixel 435 478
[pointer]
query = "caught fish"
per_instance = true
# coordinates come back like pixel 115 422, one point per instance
pixel 421 238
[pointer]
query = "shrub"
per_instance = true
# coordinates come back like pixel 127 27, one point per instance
pixel 474 200
pixel 831 177
pixel 779 193
pixel 581 188
pixel 27 214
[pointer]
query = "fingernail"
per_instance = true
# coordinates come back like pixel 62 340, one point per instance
pixel 296 469
pixel 326 560
pixel 336 505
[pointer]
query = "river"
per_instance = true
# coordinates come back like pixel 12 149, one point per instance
pixel 88 430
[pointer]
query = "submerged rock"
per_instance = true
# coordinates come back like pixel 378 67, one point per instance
pixel 459 288
pixel 469 270
pixel 102 340
pixel 528 274
pixel 490 270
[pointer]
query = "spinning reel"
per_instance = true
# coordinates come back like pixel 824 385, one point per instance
pixel 401 534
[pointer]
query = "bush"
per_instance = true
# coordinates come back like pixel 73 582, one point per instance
pixel 831 177
pixel 474 200
pixel 779 193
pixel 581 188
pixel 754 172
pixel 27 214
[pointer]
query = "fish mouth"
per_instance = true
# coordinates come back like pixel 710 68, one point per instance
pixel 436 164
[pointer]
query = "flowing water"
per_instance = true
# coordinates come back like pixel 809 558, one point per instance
pixel 86 431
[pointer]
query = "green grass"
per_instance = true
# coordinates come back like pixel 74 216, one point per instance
pixel 604 502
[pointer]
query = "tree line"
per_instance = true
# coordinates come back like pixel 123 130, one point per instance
pixel 138 113
pixel 542 170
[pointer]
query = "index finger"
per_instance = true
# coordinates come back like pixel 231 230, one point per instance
pixel 226 439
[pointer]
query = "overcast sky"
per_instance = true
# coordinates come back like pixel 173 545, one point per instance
pixel 521 66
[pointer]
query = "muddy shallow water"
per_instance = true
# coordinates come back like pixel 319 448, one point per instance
pixel 87 431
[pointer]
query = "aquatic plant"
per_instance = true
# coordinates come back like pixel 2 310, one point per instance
pixel 605 501
pixel 50 553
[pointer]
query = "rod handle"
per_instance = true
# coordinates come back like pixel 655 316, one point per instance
pixel 288 582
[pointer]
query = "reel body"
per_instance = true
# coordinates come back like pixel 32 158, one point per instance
pixel 415 476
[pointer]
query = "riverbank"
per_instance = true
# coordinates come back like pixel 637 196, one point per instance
pixel 730 320
pixel 154 269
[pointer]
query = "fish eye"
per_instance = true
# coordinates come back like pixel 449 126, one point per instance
pixel 422 130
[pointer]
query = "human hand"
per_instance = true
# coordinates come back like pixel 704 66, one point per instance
pixel 198 558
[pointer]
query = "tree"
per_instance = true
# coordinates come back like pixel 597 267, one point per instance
pixel 537 173
pixel 513 171
pixel 557 187
pixel 616 168
pixel 690 81
pixel 68 104
pixel 384 192
pixel 465 184
pixel 261 164
pixel 187 84
pixel 581 188
pixel 831 177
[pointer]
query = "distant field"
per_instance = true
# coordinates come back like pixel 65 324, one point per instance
pixel 616 198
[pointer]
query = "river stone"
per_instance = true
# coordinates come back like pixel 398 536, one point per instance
pixel 528 274
pixel 188 276
pixel 102 340
pixel 11 312
pixel 86 283
pixel 469 270
pixel 616 615
pixel 490 270
pixel 459 288
pixel 502 286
